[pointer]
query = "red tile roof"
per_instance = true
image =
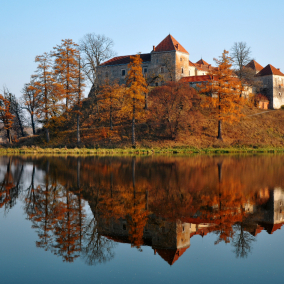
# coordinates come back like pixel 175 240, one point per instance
pixel 270 70
pixel 190 63
pixel 202 62
pixel 254 66
pixel 125 59
pixel 202 78
pixel 169 44
pixel 171 255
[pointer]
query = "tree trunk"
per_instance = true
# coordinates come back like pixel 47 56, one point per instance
pixel 110 118
pixel 220 130
pixel 78 129
pixel 20 124
pixel 133 125
pixel 146 101
pixel 33 124
pixel 47 134
pixel 9 136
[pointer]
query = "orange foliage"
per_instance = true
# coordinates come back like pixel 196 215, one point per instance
pixel 223 92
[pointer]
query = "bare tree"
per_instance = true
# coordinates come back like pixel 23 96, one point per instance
pixel 31 102
pixel 95 50
pixel 241 54
pixel 17 111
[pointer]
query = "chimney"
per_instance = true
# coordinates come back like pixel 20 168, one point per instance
pixel 278 69
pixel 154 48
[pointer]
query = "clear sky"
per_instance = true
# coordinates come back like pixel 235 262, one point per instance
pixel 204 28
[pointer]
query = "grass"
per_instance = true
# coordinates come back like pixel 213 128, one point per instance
pixel 137 151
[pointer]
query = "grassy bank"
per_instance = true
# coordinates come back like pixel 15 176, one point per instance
pixel 137 151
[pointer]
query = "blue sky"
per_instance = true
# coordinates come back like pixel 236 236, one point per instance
pixel 205 28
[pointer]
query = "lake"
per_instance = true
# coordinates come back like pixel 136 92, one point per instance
pixel 156 219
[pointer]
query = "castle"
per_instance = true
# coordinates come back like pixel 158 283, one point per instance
pixel 169 61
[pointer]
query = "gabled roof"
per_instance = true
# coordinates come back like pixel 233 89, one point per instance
pixel 270 70
pixel 254 66
pixel 125 59
pixel 202 62
pixel 171 255
pixel 191 63
pixel 169 44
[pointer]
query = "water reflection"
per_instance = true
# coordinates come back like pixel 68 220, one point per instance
pixel 158 202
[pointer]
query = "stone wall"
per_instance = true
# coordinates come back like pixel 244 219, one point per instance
pixel 278 91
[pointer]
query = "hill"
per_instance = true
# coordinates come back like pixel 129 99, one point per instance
pixel 257 129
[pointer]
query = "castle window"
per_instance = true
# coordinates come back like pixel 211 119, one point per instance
pixel 280 94
pixel 145 70
pixel 189 72
pixel 157 60
pixel 157 84
pixel 181 59
pixel 124 227
pixel 162 70
pixel 182 70
pixel 106 74
pixel 122 72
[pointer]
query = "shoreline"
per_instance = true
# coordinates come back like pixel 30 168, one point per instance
pixel 140 151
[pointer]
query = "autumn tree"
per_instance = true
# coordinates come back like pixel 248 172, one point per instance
pixel 66 70
pixel 111 95
pixel 222 93
pixel 133 100
pixel 31 102
pixel 48 90
pixel 172 105
pixel 6 117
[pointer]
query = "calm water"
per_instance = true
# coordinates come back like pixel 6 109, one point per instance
pixel 142 220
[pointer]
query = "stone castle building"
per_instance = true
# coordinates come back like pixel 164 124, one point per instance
pixel 169 61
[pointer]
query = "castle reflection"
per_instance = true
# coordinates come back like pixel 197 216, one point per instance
pixel 83 207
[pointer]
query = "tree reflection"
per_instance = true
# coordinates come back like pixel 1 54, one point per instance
pixel 242 241
pixel 161 202
pixel 96 249
pixel 10 186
